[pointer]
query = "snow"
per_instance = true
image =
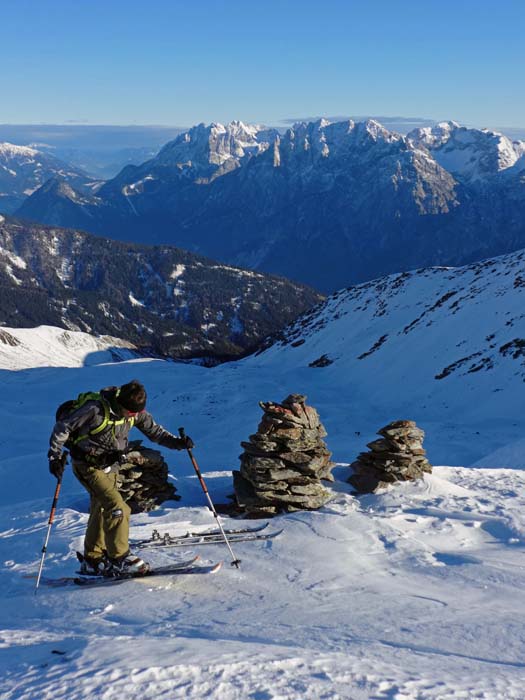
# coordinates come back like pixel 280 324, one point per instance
pixel 413 593
pixel 136 187
pixel 16 260
pixel 473 154
pixel 177 271
pixel 11 274
pixel 8 170
pixel 66 271
pixel 10 150
pixel 135 302
pixel 47 346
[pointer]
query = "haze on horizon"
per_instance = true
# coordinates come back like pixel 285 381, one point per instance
pixel 179 63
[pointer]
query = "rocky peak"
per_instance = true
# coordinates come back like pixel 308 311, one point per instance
pixel 214 144
pixel 374 131
pixel 469 154
pixel 331 139
pixel 59 187
pixel 433 136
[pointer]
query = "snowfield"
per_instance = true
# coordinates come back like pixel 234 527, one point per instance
pixel 412 593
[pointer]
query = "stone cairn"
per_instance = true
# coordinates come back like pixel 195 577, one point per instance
pixel 143 479
pixel 397 456
pixel 284 461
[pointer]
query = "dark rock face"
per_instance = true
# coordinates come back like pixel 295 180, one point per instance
pixel 143 480
pixel 346 201
pixel 164 300
pixel 397 456
pixel 284 462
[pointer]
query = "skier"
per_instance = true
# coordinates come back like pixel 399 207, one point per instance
pixel 95 430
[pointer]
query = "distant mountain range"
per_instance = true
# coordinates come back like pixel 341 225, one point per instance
pixel 329 204
pixel 162 300
pixel 23 170
pixel 99 150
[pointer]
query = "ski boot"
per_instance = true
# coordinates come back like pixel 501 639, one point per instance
pixel 126 566
pixel 90 566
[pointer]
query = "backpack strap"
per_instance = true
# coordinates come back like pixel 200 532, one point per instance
pixel 106 421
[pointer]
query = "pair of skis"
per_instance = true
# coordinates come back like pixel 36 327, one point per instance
pixel 181 568
pixel 191 539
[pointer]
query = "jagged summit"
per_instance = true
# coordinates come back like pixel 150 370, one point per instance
pixel 469 154
pixel 214 144
pixel 433 136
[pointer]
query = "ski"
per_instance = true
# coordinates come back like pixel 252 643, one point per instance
pixel 152 573
pixel 168 539
pixel 174 565
pixel 185 541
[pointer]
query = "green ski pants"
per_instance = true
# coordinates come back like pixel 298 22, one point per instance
pixel 108 524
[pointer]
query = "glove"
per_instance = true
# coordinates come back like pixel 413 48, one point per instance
pixel 57 466
pixel 185 443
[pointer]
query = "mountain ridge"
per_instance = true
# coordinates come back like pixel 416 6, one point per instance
pixel 327 203
pixel 161 299
pixel 24 169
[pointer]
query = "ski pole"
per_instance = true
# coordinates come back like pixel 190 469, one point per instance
pixel 235 562
pixel 49 525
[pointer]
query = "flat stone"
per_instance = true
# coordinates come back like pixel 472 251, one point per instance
pixel 379 445
pixel 288 433
pixel 307 490
pixel 254 463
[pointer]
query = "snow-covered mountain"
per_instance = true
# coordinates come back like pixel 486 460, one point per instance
pixel 415 592
pixel 470 154
pixel 48 346
pixel 203 147
pixel 24 169
pixel 163 300
pixel 326 203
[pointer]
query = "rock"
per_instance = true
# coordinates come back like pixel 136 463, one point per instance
pixel 283 463
pixel 397 456
pixel 146 488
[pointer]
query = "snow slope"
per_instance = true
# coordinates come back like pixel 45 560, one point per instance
pixel 47 346
pixel 416 592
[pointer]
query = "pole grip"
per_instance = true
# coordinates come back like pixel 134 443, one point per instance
pixel 194 462
pixel 55 502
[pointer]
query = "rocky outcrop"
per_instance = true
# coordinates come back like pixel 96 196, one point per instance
pixel 143 480
pixel 397 456
pixel 284 462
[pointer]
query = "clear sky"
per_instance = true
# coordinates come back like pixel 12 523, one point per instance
pixel 179 62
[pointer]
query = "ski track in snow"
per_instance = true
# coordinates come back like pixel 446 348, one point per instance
pixel 413 593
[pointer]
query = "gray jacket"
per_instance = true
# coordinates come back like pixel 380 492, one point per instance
pixel 103 447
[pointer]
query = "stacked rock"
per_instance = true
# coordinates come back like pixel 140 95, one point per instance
pixel 284 461
pixel 397 456
pixel 143 479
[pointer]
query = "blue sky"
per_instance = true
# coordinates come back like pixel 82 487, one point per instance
pixel 179 63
